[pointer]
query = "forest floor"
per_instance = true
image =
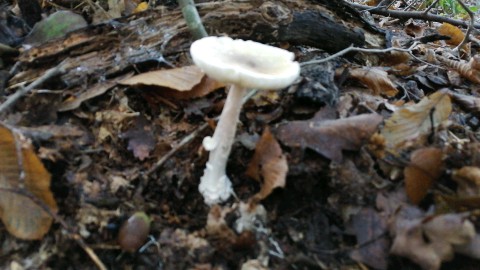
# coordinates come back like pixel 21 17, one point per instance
pixel 367 161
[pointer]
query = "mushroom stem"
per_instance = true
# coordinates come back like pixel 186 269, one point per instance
pixel 215 185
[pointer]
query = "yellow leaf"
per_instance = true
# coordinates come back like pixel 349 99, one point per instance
pixel 23 217
pixel 452 31
pixel 415 122
pixel 141 7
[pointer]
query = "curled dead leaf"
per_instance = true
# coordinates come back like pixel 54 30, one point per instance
pixel 23 199
pixel 469 70
pixel 430 241
pixel 376 79
pixel 426 166
pixel 415 122
pixel 268 165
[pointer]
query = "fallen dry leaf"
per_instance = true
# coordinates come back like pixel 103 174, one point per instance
pixel 268 165
pixel 376 79
pixel 456 35
pixel 180 79
pixel 430 241
pixel 369 228
pixel 468 180
pixel 415 122
pixel 179 83
pixel 468 70
pixel 141 7
pixel 426 166
pixel 205 87
pixel 414 30
pixel 23 217
pixel 330 137
pixel 141 140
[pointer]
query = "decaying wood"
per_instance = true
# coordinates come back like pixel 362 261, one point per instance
pixel 161 36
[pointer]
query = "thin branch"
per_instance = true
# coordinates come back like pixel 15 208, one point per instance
pixel 59 69
pixel 192 18
pixel 431 6
pixel 410 5
pixel 470 26
pixel 356 49
pixel 420 15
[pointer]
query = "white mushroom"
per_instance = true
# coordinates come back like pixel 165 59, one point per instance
pixel 244 64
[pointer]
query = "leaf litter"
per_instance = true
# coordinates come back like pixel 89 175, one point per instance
pixel 347 178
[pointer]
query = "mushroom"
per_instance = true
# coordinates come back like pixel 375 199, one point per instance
pixel 244 65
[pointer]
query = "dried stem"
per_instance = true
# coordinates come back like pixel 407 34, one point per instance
pixel 420 15
pixel 470 26
pixel 356 49
pixel 59 69
pixel 431 6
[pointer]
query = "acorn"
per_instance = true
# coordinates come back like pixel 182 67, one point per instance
pixel 134 232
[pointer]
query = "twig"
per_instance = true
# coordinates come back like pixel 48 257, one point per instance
pixel 385 4
pixel 410 5
pixel 356 49
pixel 431 6
pixel 60 68
pixel 470 26
pixel 100 265
pixel 192 18
pixel 5 49
pixel 420 15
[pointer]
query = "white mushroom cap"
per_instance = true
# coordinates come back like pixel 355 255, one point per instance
pixel 245 63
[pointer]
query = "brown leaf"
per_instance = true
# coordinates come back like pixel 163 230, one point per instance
pixel 415 122
pixel 468 70
pixel 426 166
pixel 414 30
pixel 180 79
pixel 268 164
pixel 368 227
pixel 205 87
pixel 23 217
pixel 376 79
pixel 330 137
pixel 468 180
pixel 140 139
pixel 179 83
pixel 430 241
